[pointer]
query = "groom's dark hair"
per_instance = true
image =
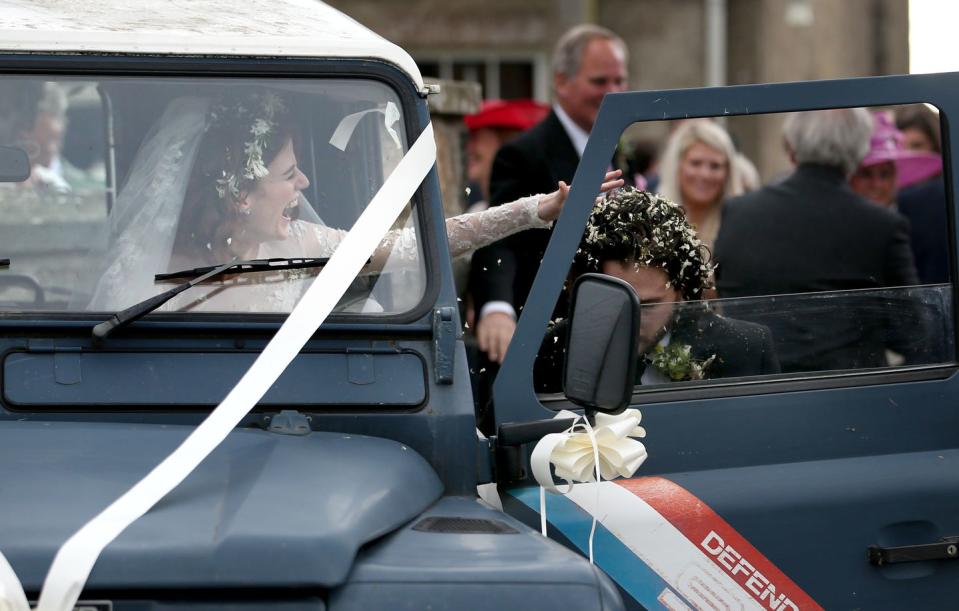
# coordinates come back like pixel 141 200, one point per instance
pixel 651 231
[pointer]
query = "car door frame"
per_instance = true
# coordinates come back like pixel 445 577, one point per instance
pixel 846 427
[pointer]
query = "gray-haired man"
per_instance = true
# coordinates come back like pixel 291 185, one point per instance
pixel 588 62
pixel 811 232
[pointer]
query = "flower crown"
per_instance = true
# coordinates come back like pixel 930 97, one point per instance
pixel 630 224
pixel 261 114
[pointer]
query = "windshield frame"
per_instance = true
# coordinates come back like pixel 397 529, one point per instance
pixel 425 202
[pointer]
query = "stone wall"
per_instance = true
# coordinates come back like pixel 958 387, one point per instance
pixel 767 41
pixel 447 109
pixel 785 40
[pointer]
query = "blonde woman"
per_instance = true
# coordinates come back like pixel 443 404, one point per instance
pixel 698 170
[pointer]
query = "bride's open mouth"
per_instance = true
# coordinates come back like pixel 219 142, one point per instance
pixel 292 210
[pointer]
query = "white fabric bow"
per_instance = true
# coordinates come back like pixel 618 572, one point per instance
pixel 588 453
pixel 573 455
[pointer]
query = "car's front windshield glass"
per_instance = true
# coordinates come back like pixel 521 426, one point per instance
pixel 133 177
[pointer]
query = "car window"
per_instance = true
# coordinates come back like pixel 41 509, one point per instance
pixel 821 241
pixel 133 177
pixel 772 334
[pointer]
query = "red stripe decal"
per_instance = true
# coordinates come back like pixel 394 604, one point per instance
pixel 715 538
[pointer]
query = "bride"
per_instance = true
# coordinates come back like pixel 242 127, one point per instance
pixel 216 182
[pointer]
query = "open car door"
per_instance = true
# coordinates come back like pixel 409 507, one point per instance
pixel 830 484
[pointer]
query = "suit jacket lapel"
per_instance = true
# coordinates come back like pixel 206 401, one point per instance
pixel 559 148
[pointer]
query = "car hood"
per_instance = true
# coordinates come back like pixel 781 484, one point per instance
pixel 263 510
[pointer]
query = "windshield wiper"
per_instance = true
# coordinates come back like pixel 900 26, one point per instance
pixel 242 267
pixel 198 275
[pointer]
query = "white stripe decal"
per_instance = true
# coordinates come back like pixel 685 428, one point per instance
pixel 663 548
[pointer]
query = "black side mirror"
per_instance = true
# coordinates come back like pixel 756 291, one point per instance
pixel 602 344
pixel 14 164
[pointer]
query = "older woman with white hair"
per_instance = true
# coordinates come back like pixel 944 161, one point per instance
pixel 698 170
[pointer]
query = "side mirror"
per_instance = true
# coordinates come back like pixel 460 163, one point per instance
pixel 602 344
pixel 14 164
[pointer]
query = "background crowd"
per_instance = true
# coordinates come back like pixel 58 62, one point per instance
pixel 864 206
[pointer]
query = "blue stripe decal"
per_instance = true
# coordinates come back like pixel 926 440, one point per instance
pixel 609 553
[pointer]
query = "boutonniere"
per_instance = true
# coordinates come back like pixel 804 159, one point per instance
pixel 676 362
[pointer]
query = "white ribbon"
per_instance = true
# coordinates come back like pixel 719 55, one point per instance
pixel 585 453
pixel 72 565
pixel 12 596
pixel 344 131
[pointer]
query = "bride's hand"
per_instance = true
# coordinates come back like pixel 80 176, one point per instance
pixel 551 205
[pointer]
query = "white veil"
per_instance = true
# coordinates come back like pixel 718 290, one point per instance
pixel 144 218
pixel 143 222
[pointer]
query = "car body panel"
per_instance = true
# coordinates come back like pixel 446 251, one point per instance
pixel 312 499
pixel 809 469
pixel 292 28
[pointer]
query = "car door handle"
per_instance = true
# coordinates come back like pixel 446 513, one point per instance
pixel 946 549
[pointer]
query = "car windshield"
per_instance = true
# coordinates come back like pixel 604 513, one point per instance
pixel 134 177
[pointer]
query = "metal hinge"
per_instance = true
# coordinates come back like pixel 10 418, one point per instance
pixel 290 422
pixel 946 549
pixel 484 460
pixel 444 344
pixel 430 89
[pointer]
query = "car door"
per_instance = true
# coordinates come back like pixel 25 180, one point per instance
pixel 828 484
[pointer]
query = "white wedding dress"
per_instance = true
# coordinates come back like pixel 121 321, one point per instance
pixel 144 223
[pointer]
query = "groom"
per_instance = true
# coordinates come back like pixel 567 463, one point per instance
pixel 647 242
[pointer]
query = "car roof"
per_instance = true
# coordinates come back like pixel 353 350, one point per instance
pixel 258 28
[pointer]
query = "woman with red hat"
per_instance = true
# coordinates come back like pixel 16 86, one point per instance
pixel 497 122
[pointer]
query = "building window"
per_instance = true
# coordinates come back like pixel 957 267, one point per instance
pixel 502 76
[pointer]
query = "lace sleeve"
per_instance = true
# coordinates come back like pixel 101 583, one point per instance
pixel 314 240
pixel 467 232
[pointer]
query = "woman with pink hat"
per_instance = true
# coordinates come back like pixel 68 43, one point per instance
pixel 889 165
pixel 909 181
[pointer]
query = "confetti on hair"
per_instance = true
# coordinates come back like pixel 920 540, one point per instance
pixel 262 121
pixel 651 231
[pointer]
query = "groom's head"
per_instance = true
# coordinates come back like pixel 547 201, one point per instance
pixel 646 241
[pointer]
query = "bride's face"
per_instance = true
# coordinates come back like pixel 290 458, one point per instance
pixel 272 201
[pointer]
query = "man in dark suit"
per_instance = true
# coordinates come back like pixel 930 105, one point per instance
pixel 812 233
pixel 588 62
pixel 925 206
pixel 647 242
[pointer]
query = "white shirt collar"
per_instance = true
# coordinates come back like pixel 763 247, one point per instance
pixel 576 133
